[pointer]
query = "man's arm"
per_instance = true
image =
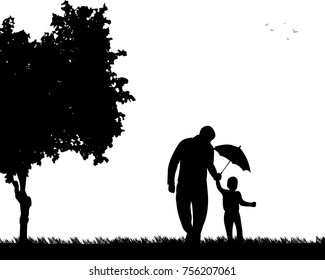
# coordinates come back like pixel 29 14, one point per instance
pixel 172 167
pixel 212 169
pixel 213 172
pixel 242 202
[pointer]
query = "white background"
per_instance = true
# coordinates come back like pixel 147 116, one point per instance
pixel 190 64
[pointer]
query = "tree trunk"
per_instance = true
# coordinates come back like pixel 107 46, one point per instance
pixel 25 203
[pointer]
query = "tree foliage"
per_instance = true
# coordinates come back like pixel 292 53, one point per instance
pixel 59 94
pixel 21 137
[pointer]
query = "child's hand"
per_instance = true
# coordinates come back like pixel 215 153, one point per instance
pixel 253 204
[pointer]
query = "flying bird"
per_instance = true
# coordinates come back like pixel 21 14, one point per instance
pixel 272 29
pixel 294 31
pixel 288 38
pixel 266 24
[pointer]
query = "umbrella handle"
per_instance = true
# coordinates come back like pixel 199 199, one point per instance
pixel 225 167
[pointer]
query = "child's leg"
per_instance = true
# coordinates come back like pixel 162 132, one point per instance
pixel 228 219
pixel 239 227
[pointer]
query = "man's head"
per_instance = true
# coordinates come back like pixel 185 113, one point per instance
pixel 207 133
pixel 232 183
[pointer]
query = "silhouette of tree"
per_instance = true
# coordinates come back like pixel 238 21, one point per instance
pixel 57 95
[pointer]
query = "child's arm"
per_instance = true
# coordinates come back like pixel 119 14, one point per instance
pixel 219 187
pixel 242 202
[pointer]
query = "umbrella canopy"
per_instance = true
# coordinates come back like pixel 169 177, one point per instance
pixel 233 154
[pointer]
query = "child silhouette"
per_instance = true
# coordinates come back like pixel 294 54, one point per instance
pixel 231 201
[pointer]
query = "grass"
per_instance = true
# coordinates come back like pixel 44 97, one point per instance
pixel 163 248
pixel 161 240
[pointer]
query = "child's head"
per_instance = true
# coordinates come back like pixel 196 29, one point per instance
pixel 232 183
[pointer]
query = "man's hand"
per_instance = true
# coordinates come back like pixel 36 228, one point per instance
pixel 171 188
pixel 218 177
pixel 253 204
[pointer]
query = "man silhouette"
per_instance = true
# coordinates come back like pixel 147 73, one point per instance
pixel 195 156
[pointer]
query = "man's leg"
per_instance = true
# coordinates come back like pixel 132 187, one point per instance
pixel 200 209
pixel 183 203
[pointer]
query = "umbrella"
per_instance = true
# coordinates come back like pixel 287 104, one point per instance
pixel 233 154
